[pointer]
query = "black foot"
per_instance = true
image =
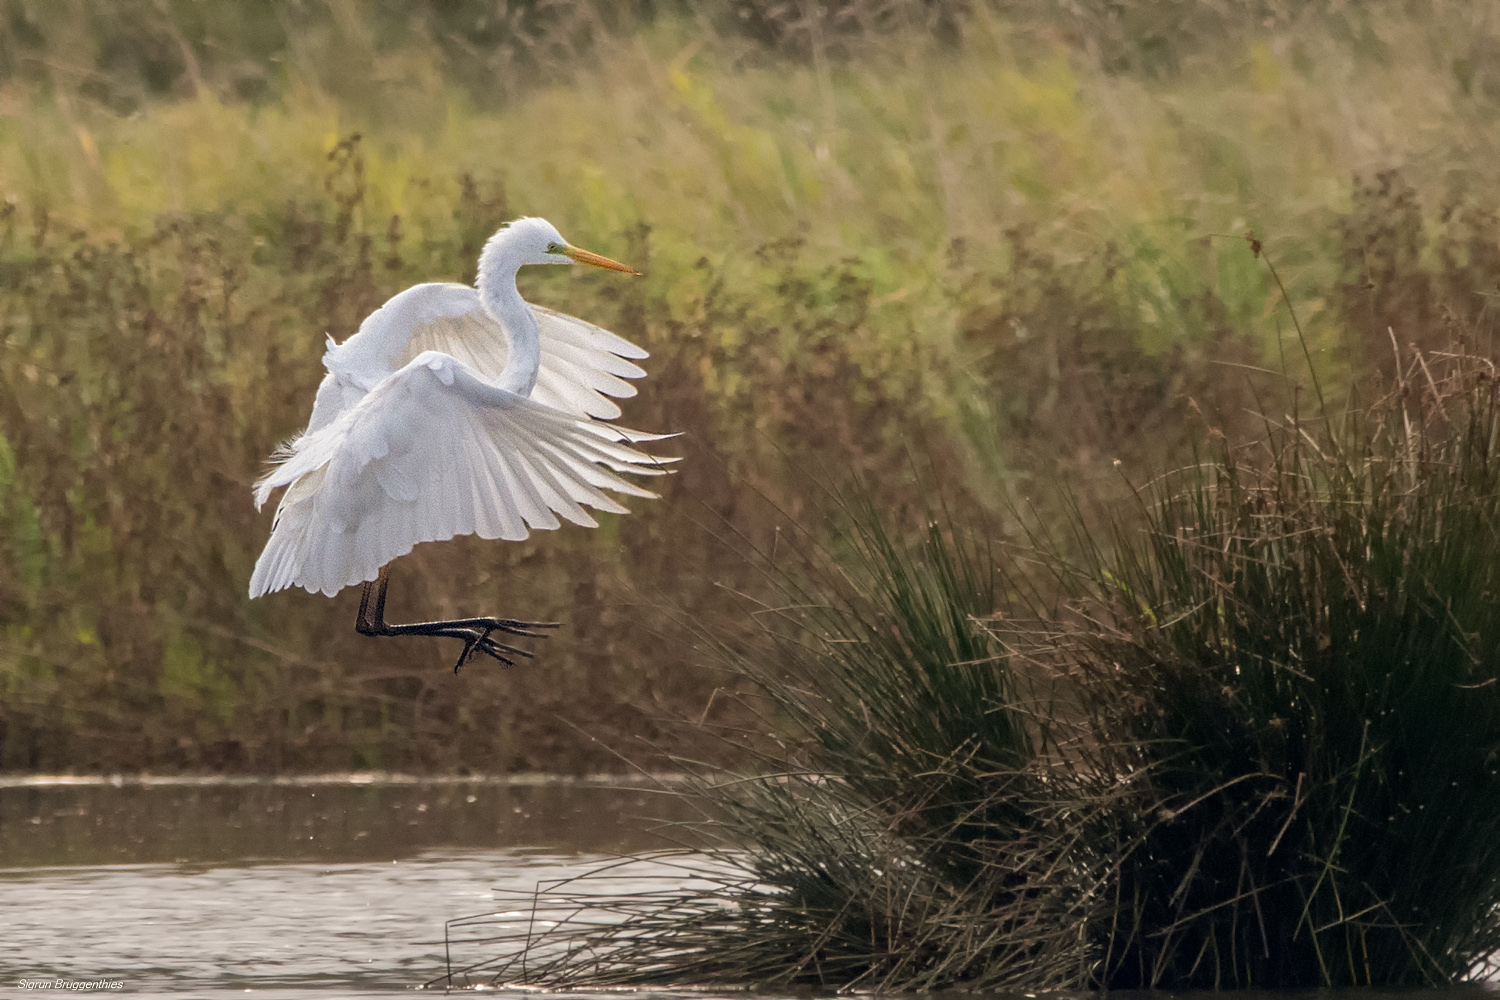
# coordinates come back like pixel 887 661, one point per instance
pixel 475 632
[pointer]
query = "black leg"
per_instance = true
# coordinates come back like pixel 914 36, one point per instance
pixel 475 632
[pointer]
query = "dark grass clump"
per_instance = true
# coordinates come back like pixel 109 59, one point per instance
pixel 917 834
pixel 1300 651
pixel 1253 741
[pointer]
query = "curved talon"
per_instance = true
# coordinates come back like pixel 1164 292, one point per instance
pixel 495 649
pixel 480 641
pixel 473 643
pixel 484 644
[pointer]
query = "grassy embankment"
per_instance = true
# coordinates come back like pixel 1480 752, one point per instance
pixel 991 241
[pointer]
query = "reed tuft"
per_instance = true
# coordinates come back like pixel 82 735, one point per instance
pixel 1301 650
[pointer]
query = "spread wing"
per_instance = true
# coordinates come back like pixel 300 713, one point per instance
pixel 582 365
pixel 432 452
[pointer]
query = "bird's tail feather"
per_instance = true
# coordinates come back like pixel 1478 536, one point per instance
pixel 278 565
pixel 301 456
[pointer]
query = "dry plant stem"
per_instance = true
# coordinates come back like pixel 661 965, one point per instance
pixel 475 632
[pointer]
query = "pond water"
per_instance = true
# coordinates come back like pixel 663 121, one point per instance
pixel 320 887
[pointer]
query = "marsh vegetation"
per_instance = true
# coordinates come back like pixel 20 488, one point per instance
pixel 1246 736
pixel 978 232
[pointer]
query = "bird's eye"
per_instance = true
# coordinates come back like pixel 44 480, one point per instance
pixel 553 248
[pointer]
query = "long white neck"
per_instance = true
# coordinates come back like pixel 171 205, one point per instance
pixel 498 265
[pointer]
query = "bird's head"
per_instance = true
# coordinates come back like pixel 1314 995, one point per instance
pixel 537 241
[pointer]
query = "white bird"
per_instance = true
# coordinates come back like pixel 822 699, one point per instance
pixel 453 411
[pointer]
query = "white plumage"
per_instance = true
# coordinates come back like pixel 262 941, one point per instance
pixel 453 411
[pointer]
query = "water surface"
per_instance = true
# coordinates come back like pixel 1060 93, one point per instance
pixel 326 889
pixel 319 888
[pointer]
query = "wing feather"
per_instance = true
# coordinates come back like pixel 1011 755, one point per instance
pixel 553 494
pixel 582 365
pixel 434 451
pixel 571 330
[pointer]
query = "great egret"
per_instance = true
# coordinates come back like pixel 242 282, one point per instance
pixel 453 411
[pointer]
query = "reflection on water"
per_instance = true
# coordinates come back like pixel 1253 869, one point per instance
pixel 245 823
pixel 317 890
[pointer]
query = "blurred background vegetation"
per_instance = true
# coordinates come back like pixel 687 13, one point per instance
pixel 976 238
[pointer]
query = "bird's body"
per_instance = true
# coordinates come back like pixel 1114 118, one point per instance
pixel 454 410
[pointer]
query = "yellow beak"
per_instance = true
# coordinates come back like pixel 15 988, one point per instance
pixel 585 257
